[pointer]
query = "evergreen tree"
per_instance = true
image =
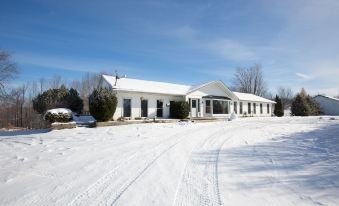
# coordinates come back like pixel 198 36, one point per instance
pixel 74 101
pixel 180 110
pixel 102 104
pixel 300 106
pixel 58 98
pixel 304 105
pixel 278 109
pixel 315 108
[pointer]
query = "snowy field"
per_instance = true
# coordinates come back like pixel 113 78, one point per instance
pixel 252 161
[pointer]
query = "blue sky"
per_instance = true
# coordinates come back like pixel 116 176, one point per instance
pixel 296 41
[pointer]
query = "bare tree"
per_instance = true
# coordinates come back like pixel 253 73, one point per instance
pixel 16 110
pixel 286 95
pixel 337 96
pixel 8 70
pixel 55 82
pixel 250 80
pixel 42 84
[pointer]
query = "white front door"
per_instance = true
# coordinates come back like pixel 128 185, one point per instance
pixel 194 108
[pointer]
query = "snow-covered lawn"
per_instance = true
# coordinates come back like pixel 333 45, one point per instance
pixel 252 161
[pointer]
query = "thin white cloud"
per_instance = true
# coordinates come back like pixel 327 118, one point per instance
pixel 72 64
pixel 232 50
pixel 304 76
pixel 182 32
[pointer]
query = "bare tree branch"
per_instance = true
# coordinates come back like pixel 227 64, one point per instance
pixel 286 95
pixel 8 71
pixel 250 80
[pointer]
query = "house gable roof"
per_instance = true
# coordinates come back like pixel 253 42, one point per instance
pixel 216 82
pixel 137 85
pixel 252 97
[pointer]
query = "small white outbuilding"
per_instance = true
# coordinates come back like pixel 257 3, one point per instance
pixel 329 105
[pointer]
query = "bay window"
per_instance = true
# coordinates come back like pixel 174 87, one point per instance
pixel 220 107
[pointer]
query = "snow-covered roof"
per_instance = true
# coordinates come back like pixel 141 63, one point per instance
pixel 137 85
pixel 251 97
pixel 333 98
pixel 128 84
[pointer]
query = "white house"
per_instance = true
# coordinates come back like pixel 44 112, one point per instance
pixel 329 105
pixel 149 99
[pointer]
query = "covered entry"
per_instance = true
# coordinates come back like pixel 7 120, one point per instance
pixel 195 107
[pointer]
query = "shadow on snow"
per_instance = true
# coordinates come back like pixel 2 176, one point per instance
pixel 23 132
pixel 306 161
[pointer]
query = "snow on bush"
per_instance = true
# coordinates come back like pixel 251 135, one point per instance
pixel 233 116
pixel 58 115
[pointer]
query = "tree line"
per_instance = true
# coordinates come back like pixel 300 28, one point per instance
pixel 16 101
pixel 17 105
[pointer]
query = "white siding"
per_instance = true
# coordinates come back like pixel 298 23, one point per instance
pixel 212 89
pixel 329 106
pixel 257 114
pixel 136 103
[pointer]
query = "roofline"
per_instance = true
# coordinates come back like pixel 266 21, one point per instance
pixel 333 98
pixel 147 80
pixel 213 82
pixel 270 101
pixel 232 94
pixel 131 90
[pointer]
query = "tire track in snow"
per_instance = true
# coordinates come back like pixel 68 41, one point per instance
pixel 188 193
pixel 199 145
pixel 199 184
pixel 108 192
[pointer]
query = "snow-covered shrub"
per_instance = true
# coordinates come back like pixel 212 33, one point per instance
pixel 58 115
pixel 233 116
pixel 180 110
pixel 278 109
pixel 58 98
pixel 102 104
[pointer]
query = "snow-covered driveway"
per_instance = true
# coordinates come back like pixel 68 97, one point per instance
pixel 252 161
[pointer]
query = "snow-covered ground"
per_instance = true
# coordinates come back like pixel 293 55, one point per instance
pixel 252 161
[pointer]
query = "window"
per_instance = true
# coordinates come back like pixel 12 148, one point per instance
pixel 220 107
pixel 260 108
pixel 172 108
pixel 127 107
pixel 144 108
pixel 208 106
pixel 254 108
pixel 235 107
pixel 240 108
pixel 268 108
pixel 160 108
pixel 249 108
pixel 194 103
